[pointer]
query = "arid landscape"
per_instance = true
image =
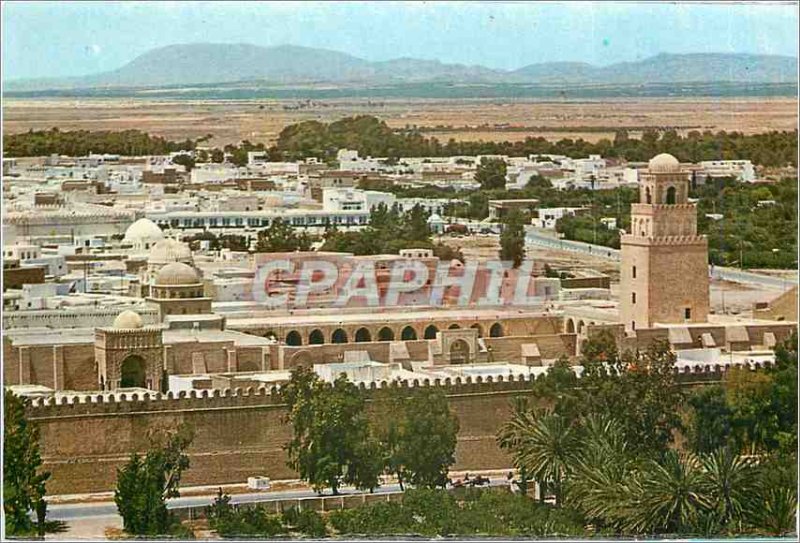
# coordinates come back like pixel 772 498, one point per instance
pixel 231 121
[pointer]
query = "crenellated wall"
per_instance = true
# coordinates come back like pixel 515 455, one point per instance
pixel 240 433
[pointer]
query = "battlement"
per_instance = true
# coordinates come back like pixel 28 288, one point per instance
pixel 630 239
pixel 639 208
pixel 266 397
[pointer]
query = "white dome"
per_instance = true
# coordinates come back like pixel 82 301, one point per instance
pixel 128 320
pixel 177 274
pixel 434 218
pixel 169 250
pixel 664 163
pixel 143 231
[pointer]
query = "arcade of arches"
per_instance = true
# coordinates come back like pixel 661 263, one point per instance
pixel 318 333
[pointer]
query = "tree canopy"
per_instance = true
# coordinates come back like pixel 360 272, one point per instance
pixel 24 481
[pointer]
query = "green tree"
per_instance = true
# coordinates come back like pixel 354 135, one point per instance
pixel 23 479
pixel 145 483
pixel 491 173
pixel 669 496
pixel 545 445
pixel 421 438
pixel 280 237
pixel 709 425
pixel 330 443
pixel 184 160
pixel 217 156
pixel 604 468
pixel 728 482
pixel 512 239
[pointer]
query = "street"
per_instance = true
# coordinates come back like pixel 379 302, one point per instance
pixel 75 511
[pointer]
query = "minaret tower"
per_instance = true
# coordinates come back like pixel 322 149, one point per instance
pixel 664 268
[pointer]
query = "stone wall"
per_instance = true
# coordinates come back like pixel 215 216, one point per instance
pixel 239 434
pixel 62 367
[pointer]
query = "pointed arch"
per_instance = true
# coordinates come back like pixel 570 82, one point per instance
pixel 339 336
pixel 294 339
pixel 496 330
pixel 316 337
pixel 671 195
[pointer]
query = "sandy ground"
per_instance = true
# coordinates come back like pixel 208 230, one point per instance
pixel 89 528
pixel 230 121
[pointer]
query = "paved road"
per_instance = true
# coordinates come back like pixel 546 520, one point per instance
pixel 717 272
pixel 75 511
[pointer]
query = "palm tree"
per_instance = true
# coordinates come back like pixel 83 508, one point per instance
pixel 728 480
pixel 775 513
pixel 603 471
pixel 669 495
pixel 544 444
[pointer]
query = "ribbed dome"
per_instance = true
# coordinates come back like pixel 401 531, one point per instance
pixel 169 250
pixel 177 274
pixel 664 163
pixel 128 320
pixel 143 230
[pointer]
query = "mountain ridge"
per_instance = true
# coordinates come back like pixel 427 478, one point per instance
pixel 210 63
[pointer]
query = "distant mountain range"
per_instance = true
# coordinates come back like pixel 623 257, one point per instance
pixel 207 63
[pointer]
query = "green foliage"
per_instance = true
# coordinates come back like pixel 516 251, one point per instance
pixel 23 479
pixel 372 137
pixel 756 413
pixel 446 253
pixel 238 153
pixel 589 229
pixel 232 242
pixel 432 513
pixel 512 239
pixel 306 522
pixel 389 231
pixel 667 495
pixel 280 237
pixel 331 444
pixel 419 438
pixel 709 425
pixel 749 235
pixel 145 483
pixel 604 446
pixel 184 160
pixel 83 142
pixel 491 173
pixel 248 521
pixel 544 445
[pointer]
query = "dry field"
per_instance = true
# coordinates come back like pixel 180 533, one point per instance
pixel 231 121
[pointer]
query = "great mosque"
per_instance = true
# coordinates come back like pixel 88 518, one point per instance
pixel 664 294
pixel 177 354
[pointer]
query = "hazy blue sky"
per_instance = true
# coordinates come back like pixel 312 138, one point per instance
pixel 43 39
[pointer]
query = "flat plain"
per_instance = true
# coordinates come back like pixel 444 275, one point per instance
pixel 231 121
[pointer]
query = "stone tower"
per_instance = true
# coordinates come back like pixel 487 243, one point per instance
pixel 664 269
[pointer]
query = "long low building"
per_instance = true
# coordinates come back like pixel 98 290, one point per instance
pixel 227 220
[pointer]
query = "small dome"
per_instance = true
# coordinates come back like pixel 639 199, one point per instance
pixel 177 274
pixel 664 163
pixel 169 250
pixel 128 320
pixel 143 230
pixel 434 218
